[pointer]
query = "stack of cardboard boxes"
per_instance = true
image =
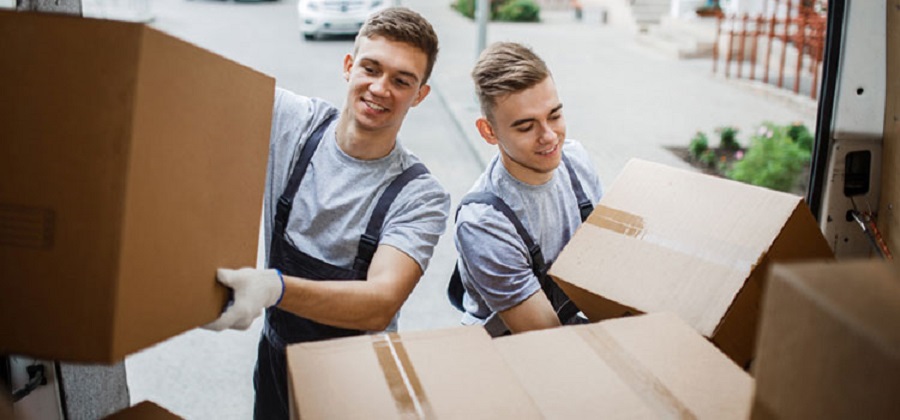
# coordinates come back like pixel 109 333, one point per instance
pixel 133 166
pixel 650 366
pixel 690 250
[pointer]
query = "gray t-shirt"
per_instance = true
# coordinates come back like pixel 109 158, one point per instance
pixel 494 263
pixel 338 193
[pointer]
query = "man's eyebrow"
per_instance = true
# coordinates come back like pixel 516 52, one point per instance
pixel 402 72
pixel 521 122
pixel 527 120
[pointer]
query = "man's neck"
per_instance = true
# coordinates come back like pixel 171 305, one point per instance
pixel 363 145
pixel 524 174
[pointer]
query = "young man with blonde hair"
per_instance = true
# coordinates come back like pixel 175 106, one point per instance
pixel 526 205
pixel 351 216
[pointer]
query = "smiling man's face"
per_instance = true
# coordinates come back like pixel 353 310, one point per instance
pixel 385 82
pixel 529 128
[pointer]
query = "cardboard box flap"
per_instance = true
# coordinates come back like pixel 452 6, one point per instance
pixel 567 378
pixel 695 237
pixel 173 145
pixel 651 366
pixel 416 374
pixel 631 271
pixel 696 373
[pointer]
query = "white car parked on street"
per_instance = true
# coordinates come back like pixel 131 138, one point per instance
pixel 336 17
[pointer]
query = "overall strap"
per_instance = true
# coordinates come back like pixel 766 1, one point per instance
pixel 584 204
pixel 538 265
pixel 368 243
pixel 455 289
pixel 286 201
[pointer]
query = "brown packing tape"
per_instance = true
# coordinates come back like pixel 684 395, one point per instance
pixel 401 377
pixel 618 221
pixel 640 379
pixel 704 246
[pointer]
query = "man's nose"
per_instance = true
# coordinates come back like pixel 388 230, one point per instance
pixel 547 133
pixel 379 86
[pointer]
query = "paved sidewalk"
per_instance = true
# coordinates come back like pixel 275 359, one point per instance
pixel 622 99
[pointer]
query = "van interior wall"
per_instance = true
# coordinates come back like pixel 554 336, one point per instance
pixel 889 213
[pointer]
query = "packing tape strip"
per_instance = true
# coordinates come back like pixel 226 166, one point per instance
pixel 401 377
pixel 705 247
pixel 618 221
pixel 643 382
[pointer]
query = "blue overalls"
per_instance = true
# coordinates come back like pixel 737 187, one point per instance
pixel 283 328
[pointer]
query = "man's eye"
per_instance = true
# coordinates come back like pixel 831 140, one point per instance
pixel 368 69
pixel 555 116
pixel 402 82
pixel 525 128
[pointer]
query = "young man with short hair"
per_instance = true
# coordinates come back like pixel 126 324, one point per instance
pixel 351 216
pixel 535 191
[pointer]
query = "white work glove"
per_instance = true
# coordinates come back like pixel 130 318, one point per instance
pixel 253 291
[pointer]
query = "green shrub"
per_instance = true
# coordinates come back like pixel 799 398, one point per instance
pixel 773 160
pixel 519 11
pixel 467 8
pixel 708 158
pixel 698 145
pixel 504 10
pixel 728 138
pixel 801 135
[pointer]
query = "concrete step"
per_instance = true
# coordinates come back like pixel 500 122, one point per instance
pixel 681 38
pixel 649 12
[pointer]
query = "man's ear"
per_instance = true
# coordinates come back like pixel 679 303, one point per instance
pixel 420 96
pixel 348 64
pixel 486 130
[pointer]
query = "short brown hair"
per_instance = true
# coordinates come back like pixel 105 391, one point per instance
pixel 505 68
pixel 401 24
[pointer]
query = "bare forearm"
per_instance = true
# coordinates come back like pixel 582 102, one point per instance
pixel 358 304
pixel 534 313
pixel 355 304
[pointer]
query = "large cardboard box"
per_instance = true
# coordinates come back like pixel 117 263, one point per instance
pixel 133 165
pixel 829 344
pixel 648 366
pixel 446 374
pixel 669 240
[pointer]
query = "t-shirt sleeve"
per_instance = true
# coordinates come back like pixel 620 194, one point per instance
pixel 417 219
pixel 494 257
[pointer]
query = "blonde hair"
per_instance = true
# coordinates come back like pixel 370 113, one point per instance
pixel 505 68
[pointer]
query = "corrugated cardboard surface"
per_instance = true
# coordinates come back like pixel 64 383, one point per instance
pixel 452 374
pixel 133 166
pixel 664 239
pixel 145 410
pixel 829 345
pixel 649 366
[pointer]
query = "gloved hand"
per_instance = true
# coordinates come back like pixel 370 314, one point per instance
pixel 253 290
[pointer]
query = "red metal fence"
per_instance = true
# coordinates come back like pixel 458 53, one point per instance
pixel 769 46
